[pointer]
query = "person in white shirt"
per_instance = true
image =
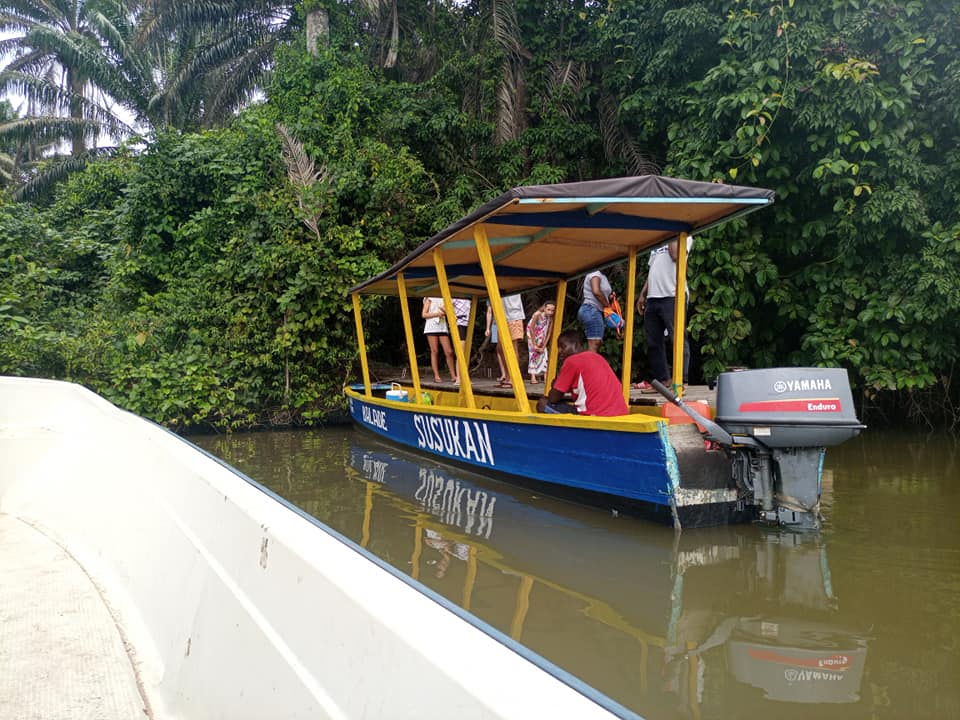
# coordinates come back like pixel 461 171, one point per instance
pixel 438 335
pixel 657 302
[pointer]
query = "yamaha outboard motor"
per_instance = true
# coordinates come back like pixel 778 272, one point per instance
pixel 775 425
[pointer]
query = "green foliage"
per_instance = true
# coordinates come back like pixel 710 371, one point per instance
pixel 836 109
pixel 29 290
pixel 204 300
pixel 182 281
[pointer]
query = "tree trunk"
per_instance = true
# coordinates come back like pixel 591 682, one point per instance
pixel 318 30
pixel 75 83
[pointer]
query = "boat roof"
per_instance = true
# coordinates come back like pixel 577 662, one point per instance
pixel 540 234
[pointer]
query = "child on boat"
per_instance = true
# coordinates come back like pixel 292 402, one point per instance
pixel 538 336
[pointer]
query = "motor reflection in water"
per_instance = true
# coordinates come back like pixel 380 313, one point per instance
pixel 730 620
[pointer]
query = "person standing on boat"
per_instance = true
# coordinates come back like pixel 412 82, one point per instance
pixel 513 309
pixel 596 298
pixel 657 302
pixel 461 308
pixel 493 335
pixel 538 336
pixel 438 335
pixel 585 373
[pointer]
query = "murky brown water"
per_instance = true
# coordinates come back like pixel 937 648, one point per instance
pixel 859 621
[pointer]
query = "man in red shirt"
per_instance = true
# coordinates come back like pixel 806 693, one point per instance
pixel 596 390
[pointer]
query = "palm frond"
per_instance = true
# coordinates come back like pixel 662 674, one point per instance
pixel 37 90
pixel 7 165
pixel 506 28
pixel 511 103
pixel 232 86
pixel 34 63
pixel 47 129
pixel 617 143
pixel 43 93
pixel 393 49
pixel 563 81
pixel 54 171
pixel 304 177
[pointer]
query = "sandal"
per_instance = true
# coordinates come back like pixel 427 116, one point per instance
pixel 504 384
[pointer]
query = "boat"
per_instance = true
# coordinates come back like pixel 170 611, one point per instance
pixel 216 598
pixel 756 455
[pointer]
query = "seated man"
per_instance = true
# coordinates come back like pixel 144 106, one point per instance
pixel 585 373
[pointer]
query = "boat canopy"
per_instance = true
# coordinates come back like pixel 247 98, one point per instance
pixel 541 234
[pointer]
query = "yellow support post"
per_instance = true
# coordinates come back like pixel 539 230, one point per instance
pixel 628 334
pixel 552 359
pixel 408 331
pixel 680 314
pixel 471 323
pixel 503 332
pixel 463 369
pixel 361 345
pixel 468 343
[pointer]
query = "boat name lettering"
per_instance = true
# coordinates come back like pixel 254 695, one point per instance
pixel 372 416
pixel 464 439
pixel 782 386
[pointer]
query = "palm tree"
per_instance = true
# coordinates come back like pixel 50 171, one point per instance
pixel 212 55
pixel 73 64
pixel 95 69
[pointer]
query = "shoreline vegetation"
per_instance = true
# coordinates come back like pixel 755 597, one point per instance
pixel 196 273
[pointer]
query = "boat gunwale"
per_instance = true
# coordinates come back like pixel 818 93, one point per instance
pixel 637 422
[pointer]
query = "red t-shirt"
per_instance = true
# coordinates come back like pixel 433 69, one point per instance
pixel 596 390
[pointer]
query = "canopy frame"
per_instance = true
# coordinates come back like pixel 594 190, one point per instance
pixel 543 236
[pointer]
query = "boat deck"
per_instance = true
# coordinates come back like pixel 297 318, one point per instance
pixel 63 654
pixel 489 386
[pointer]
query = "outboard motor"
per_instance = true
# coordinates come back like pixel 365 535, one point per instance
pixel 791 415
pixel 775 425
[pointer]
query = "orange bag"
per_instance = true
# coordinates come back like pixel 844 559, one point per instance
pixel 613 315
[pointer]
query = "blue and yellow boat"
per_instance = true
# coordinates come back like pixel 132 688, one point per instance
pixel 756 455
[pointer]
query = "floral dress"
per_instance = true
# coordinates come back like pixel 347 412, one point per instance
pixel 537 332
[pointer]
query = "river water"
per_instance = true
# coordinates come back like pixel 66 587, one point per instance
pixel 860 620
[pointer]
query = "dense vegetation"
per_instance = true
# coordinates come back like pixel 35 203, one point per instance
pixel 197 273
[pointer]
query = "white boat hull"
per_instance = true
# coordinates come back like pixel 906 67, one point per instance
pixel 236 605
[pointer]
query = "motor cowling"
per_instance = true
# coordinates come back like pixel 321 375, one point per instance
pixel 780 420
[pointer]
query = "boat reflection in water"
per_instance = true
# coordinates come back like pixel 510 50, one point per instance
pixel 733 619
